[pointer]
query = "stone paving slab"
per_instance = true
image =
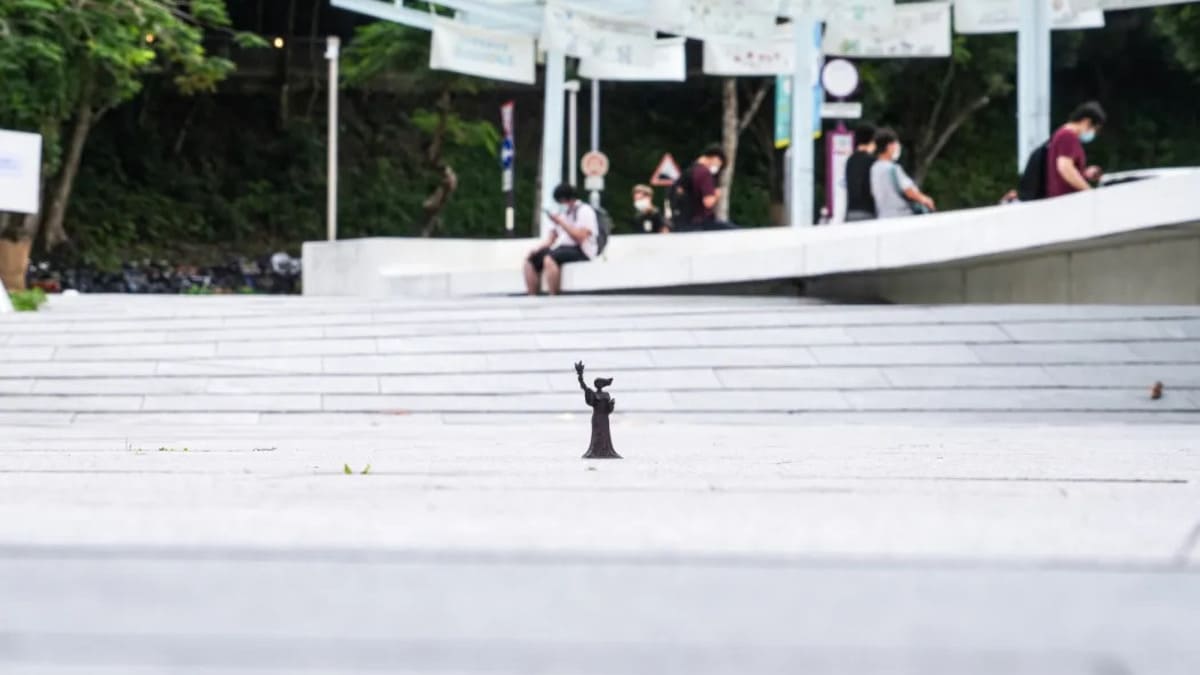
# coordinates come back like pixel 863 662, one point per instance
pixel 807 488
pixel 711 549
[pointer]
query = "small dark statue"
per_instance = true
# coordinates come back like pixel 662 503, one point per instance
pixel 602 406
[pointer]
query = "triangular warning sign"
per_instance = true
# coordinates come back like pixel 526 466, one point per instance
pixel 667 172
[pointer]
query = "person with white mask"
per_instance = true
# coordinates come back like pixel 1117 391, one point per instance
pixel 646 218
pixel 694 196
pixel 895 194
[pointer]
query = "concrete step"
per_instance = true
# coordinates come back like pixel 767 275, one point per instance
pixel 257 357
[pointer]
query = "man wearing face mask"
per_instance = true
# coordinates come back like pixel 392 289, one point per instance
pixel 1066 162
pixel 574 238
pixel 895 194
pixel 646 218
pixel 701 185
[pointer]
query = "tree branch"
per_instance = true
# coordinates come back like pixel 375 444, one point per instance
pixel 948 133
pixel 943 94
pixel 755 104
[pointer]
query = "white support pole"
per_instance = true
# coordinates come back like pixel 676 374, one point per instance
pixel 332 52
pixel 572 89
pixel 1033 78
pixel 801 175
pixel 595 124
pixel 595 115
pixel 552 131
pixel 5 303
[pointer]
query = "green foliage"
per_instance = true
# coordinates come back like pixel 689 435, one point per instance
pixel 234 179
pixel 27 301
pixel 1181 26
pixel 62 59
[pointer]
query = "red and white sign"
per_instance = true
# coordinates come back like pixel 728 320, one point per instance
pixel 594 163
pixel 666 173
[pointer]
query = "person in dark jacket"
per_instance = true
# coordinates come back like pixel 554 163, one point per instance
pixel 646 218
pixel 860 205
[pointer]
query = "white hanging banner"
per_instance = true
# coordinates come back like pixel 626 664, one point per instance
pixel 918 30
pixel 482 52
pixel 670 65
pixel 590 36
pixel 764 57
pixel 716 20
pixel 973 17
pixel 20 171
pixel 1116 5
pixel 876 13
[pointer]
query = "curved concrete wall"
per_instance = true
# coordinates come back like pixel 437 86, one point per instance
pixel 865 256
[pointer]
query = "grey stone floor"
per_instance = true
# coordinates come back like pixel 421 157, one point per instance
pixel 754 527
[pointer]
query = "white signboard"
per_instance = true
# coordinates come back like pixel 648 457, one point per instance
pixel 764 57
pixel 715 20
pixel 877 13
pixel 839 146
pixel 841 110
pixel 590 36
pixel 670 65
pixel 20 171
pixel 1004 16
pixel 1131 4
pixel 918 30
pixel 482 52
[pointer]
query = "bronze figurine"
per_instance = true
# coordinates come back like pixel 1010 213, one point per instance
pixel 602 406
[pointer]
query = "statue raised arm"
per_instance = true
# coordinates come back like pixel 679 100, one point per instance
pixel 579 371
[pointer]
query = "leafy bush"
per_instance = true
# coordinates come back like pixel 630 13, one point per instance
pixel 28 301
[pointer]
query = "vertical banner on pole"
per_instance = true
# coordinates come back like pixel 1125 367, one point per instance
pixel 783 111
pixel 839 145
pixel 818 90
pixel 508 153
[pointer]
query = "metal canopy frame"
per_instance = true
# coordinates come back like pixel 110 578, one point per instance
pixel 524 17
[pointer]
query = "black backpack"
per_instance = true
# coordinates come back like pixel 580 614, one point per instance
pixel 604 231
pixel 1033 180
pixel 682 201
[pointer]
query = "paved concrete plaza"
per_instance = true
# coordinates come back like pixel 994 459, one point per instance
pixel 807 489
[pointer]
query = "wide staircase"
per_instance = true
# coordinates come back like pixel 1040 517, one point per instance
pixel 311 361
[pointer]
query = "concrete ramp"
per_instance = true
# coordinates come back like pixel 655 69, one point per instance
pixel 1132 243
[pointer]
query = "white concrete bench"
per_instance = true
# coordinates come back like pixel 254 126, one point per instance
pixel 447 268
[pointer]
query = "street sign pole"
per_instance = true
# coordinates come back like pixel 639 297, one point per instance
pixel 507 160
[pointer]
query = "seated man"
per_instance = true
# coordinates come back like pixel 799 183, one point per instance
pixel 574 238
pixel 647 218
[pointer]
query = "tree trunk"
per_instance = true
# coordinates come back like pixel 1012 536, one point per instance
pixel 733 125
pixel 729 143
pixel 14 262
pixel 285 89
pixel 54 228
pixel 447 179
pixel 314 58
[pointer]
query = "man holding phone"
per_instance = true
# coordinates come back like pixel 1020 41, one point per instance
pixel 574 238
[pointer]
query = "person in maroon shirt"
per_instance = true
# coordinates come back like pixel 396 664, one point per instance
pixel 1066 162
pixel 704 193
